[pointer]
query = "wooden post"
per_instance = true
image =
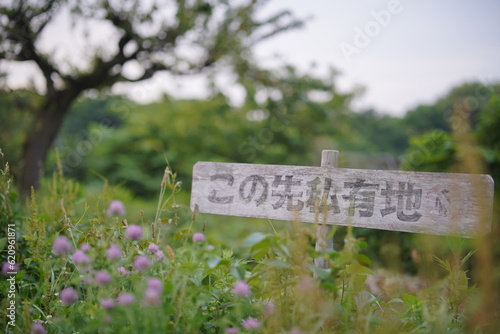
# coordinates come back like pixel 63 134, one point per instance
pixel 329 158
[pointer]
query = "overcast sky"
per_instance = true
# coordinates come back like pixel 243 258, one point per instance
pixel 402 52
pixel 413 55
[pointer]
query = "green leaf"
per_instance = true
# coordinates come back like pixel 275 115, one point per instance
pixel 364 259
pixel 3 242
pixel 238 273
pixel 279 264
pixel 409 298
pixel 322 274
pixel 443 263
pixel 208 280
pixel 395 300
pixel 467 257
pixel 254 239
pixel 213 262
pixel 362 299
pixel 359 269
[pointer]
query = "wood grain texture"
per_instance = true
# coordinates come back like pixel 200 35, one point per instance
pixel 432 203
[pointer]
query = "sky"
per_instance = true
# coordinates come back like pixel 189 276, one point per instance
pixel 402 52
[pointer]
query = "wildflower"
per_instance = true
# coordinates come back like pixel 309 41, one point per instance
pixel 151 298
pixel 241 288
pixel 296 330
pixel 155 284
pixel 141 263
pixel 116 207
pixel 107 303
pixel 9 268
pixel 102 277
pixel 80 257
pixel 69 296
pixel 124 272
pixel 250 323
pixel 232 330
pixel 85 247
pixel 159 256
pixel 37 328
pixel 125 298
pixel 61 246
pixel 153 248
pixel 113 252
pixel 134 232
pixel 306 285
pixel 269 308
pixel 87 280
pixel 198 237
pixel 210 247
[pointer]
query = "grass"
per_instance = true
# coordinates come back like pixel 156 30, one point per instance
pixel 199 276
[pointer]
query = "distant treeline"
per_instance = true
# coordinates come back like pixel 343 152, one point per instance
pixel 125 142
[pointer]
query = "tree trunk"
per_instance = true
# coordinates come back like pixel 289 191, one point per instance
pixel 48 121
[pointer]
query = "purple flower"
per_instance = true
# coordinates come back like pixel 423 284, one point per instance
pixel 159 256
pixel 116 208
pixel 198 237
pixel 85 247
pixel 269 308
pixel 153 248
pixel 296 330
pixel 113 252
pixel 134 232
pixel 37 328
pixel 241 288
pixel 141 263
pixel 124 272
pixel 306 285
pixel 125 298
pixel 61 246
pixel 250 323
pixel 80 258
pixel 155 284
pixel 102 277
pixel 7 268
pixel 69 296
pixel 87 280
pixel 107 303
pixel 151 298
pixel 232 330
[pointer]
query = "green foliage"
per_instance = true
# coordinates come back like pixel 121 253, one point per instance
pixel 436 150
pixel 16 116
pixel 473 96
pixel 430 152
pixel 197 279
pixel 488 135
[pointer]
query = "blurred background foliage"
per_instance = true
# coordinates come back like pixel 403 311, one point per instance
pixel 109 139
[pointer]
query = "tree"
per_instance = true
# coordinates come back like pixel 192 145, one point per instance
pixel 472 95
pixel 179 36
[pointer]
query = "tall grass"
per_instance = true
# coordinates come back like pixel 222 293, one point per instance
pixel 267 285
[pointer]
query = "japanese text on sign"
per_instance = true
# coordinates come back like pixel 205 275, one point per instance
pixel 402 199
pixel 435 203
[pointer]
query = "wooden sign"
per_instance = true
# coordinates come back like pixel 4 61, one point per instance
pixel 433 203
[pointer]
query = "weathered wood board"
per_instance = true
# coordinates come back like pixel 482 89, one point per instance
pixel 433 203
